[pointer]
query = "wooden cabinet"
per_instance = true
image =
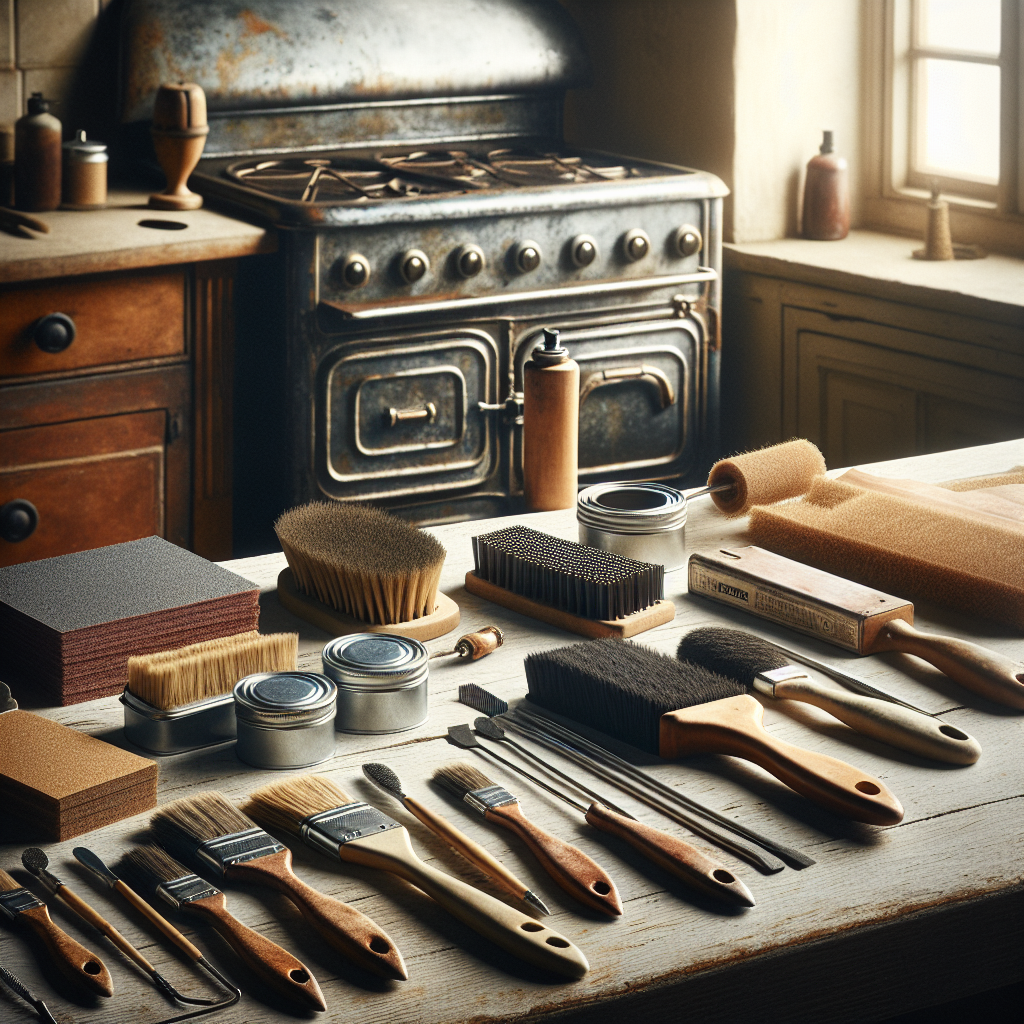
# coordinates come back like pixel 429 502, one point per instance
pixel 865 378
pixel 115 414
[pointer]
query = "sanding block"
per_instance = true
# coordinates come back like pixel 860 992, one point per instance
pixel 847 614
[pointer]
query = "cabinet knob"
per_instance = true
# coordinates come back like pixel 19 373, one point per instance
pixel 53 332
pixel 18 520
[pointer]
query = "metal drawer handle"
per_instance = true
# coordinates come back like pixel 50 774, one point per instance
pixel 53 332
pixel 396 416
pixel 18 520
pixel 644 372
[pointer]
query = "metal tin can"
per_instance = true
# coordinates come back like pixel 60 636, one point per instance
pixel 382 682
pixel 85 174
pixel 285 719
pixel 644 521
pixel 178 729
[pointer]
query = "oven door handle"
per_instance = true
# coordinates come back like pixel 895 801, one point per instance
pixel 426 412
pixel 645 371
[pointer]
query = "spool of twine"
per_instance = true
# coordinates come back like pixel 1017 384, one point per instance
pixel 938 245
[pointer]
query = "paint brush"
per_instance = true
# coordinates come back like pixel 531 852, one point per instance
pixel 383 776
pixel 163 876
pixel 71 958
pixel 327 819
pixel 210 834
pixel 579 875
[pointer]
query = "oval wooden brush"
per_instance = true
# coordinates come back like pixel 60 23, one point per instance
pixel 672 708
pixel 579 875
pixel 207 831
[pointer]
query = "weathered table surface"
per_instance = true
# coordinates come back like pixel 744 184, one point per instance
pixel 886 920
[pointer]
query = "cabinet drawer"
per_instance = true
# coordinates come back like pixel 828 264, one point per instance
pixel 93 482
pixel 117 319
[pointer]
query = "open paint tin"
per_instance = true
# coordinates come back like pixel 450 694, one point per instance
pixel 643 521
pixel 382 682
pixel 178 729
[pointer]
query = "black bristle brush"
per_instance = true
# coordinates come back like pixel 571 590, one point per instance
pixel 673 708
pixel 209 833
pixel 159 874
pixel 759 665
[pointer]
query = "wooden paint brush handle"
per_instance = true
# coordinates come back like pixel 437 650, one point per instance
pixel 102 925
pixel 581 877
pixel 472 851
pixel 343 927
pixel 276 966
pixel 891 723
pixel 507 927
pixel 993 675
pixel 71 958
pixel 674 855
pixel 158 921
pixel 733 726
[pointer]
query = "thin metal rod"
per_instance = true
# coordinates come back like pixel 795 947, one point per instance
pixel 696 492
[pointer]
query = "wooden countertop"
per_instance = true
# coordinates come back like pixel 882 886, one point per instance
pixel 887 920
pixel 95 241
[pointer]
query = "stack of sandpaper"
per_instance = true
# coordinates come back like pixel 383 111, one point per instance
pixel 70 623
pixel 57 783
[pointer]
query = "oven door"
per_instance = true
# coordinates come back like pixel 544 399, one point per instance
pixel 398 415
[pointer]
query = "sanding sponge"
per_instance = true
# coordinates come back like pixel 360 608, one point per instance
pixel 765 476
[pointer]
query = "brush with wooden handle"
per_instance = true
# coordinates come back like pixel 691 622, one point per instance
pixel 71 958
pixel 579 875
pixel 753 663
pixel 669 708
pixel 209 833
pixel 675 855
pixel 163 876
pixel 383 776
pixel 327 819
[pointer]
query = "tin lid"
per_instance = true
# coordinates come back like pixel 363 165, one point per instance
pixel 374 661
pixel 284 698
pixel 85 150
pixel 631 507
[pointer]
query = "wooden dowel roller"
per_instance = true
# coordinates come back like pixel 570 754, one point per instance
pixel 765 476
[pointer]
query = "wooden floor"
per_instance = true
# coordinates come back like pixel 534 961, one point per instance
pixel 888 920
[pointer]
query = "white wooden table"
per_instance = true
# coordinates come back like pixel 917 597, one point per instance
pixel 886 920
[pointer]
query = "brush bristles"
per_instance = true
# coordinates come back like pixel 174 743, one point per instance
pixel 284 805
pixel 7 883
pixel 620 688
pixel 151 865
pixel 461 778
pixel 197 819
pixel 730 652
pixel 582 580
pixel 362 561
pixel 170 679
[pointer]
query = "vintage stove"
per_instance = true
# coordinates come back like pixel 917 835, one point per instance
pixel 432 222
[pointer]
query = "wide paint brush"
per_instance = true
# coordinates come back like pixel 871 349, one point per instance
pixel 164 877
pixel 751 663
pixel 327 819
pixel 672 709
pixel 210 834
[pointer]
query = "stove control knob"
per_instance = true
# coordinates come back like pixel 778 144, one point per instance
pixel 355 270
pixel 688 240
pixel 636 245
pixel 526 256
pixel 415 263
pixel 469 260
pixel 583 249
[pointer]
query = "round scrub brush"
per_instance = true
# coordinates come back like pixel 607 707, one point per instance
pixel 356 569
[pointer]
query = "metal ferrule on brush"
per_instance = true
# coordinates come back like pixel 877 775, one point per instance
pixel 186 889
pixel 486 799
pixel 764 682
pixel 221 853
pixel 14 901
pixel 330 830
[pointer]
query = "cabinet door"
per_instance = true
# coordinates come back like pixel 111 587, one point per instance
pixel 866 392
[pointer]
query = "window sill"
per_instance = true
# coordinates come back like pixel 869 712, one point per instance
pixel 881 265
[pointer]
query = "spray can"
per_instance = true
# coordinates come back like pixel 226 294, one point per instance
pixel 37 157
pixel 551 421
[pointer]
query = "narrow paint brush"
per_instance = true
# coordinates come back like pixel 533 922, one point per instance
pixel 163 876
pixel 383 776
pixel 579 875
pixel 675 855
pixel 209 833
pixel 756 664
pixel 672 708
pixel 71 958
pixel 327 819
